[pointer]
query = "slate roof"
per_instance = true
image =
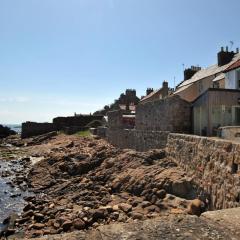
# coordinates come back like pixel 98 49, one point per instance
pixel 150 95
pixel 219 77
pixel 206 72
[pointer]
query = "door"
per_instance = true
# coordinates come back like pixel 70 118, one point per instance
pixel 237 116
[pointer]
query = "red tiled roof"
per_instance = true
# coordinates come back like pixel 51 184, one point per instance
pixel 233 66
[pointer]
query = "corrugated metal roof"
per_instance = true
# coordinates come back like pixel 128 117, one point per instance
pixel 206 72
pixel 233 66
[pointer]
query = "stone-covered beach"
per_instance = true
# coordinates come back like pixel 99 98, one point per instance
pixel 73 187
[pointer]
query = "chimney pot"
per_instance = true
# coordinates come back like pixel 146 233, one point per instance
pixel 237 50
pixel 226 48
pixel 222 49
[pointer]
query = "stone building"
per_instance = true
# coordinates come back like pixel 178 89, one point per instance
pixel 154 121
pixel 170 114
pixel 127 102
pixel 214 93
pixel 197 80
pixel 207 99
pixel 232 76
pixel 219 107
pixel 161 93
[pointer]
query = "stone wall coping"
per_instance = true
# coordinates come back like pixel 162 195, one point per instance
pixel 211 139
pixel 230 127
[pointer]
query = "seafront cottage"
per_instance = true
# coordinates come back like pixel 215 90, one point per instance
pixel 219 107
pixel 158 94
pixel 197 80
pixel 206 100
pixel 214 93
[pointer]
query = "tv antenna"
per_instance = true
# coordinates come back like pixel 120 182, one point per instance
pixel 231 44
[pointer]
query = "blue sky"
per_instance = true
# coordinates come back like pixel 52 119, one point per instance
pixel 58 57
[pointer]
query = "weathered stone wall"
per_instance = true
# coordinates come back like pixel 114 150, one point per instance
pixel 115 119
pixel 30 129
pixel 69 125
pixel 79 120
pixel 137 139
pixel 171 114
pixel 230 133
pixel 213 163
pixel 101 132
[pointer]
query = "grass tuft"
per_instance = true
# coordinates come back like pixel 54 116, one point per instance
pixel 85 133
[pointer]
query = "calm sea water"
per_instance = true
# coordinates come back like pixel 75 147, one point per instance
pixel 11 196
pixel 8 202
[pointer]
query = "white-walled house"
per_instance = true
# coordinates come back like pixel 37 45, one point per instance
pixel 232 76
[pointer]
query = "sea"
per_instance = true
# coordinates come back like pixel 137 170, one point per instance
pixel 16 127
pixel 11 197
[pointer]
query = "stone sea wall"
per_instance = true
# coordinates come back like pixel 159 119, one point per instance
pixel 137 139
pixel 79 120
pixel 30 129
pixel 69 125
pixel 214 164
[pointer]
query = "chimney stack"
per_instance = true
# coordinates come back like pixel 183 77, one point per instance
pixel 189 72
pixel 165 84
pixel 148 91
pixel 225 57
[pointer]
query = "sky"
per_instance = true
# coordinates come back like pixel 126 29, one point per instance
pixel 58 57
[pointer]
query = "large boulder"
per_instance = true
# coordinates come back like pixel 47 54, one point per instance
pixel 6 131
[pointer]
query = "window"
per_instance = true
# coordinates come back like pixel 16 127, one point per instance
pixel 216 85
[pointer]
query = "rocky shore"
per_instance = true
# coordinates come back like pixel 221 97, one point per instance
pixel 79 184
pixel 6 131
